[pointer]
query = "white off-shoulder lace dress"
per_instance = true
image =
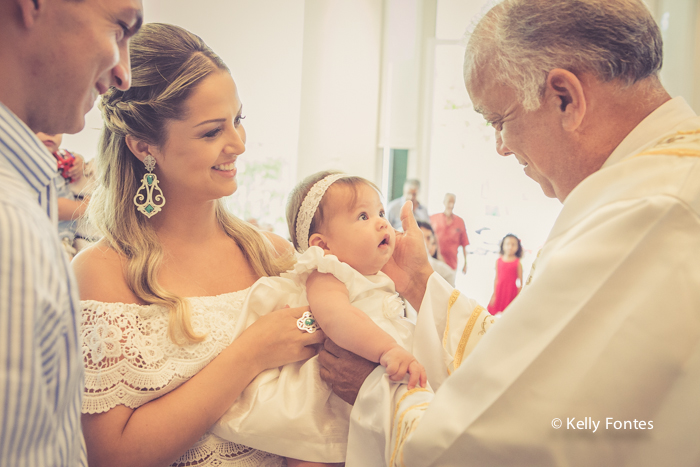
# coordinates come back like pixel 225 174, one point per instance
pixel 129 360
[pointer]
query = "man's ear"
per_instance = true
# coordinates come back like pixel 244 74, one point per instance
pixel 566 91
pixel 319 240
pixel 30 10
pixel 140 148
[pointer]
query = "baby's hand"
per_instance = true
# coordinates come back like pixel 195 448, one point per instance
pixel 398 361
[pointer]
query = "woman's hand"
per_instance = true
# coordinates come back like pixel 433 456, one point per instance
pixel 274 339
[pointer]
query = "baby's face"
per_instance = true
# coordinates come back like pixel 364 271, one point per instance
pixel 359 235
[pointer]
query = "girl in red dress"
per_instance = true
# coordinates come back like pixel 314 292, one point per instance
pixel 509 274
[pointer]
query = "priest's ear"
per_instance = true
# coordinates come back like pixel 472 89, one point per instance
pixel 565 91
pixel 319 240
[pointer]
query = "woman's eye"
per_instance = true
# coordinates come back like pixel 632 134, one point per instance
pixel 238 119
pixel 212 133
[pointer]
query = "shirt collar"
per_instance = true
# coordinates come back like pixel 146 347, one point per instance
pixel 25 152
pixel 654 126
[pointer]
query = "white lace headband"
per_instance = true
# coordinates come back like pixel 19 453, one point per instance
pixel 308 209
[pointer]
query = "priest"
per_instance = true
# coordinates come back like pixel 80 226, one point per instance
pixel 597 361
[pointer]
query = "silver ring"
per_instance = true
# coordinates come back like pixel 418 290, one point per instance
pixel 307 322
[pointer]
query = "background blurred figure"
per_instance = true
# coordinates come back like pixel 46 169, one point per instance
pixel 70 183
pixel 451 233
pixel 509 274
pixel 434 254
pixel 411 189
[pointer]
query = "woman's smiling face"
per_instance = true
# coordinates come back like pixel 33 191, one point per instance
pixel 199 155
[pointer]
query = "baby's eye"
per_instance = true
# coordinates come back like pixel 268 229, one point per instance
pixel 382 213
pixel 363 216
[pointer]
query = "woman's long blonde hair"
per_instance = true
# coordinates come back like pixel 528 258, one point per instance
pixel 168 63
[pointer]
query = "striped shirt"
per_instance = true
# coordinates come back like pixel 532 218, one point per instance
pixel 41 370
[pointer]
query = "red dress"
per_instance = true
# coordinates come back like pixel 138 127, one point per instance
pixel 506 286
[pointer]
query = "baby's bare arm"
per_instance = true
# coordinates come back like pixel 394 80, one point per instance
pixel 353 330
pixel 345 324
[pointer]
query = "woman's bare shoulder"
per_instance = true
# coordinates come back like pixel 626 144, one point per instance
pixel 282 247
pixel 99 270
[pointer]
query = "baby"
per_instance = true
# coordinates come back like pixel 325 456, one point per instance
pixel 337 223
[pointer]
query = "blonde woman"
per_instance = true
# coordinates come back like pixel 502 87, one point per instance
pixel 160 291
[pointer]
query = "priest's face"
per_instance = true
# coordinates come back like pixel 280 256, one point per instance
pixel 532 137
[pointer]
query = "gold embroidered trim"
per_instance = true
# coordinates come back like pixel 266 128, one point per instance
pixel 485 321
pixel 453 298
pixel 408 393
pixel 402 432
pixel 532 268
pixel 680 152
pixel 465 335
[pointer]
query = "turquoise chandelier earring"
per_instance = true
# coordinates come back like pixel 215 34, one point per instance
pixel 147 202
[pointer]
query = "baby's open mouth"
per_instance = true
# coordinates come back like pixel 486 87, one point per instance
pixel 385 241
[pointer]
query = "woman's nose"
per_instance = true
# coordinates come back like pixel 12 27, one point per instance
pixel 236 143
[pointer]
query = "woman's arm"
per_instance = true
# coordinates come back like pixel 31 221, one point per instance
pixel 159 432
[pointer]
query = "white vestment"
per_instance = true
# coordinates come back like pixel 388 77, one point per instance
pixel 597 361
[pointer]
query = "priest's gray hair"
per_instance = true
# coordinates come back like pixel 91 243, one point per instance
pixel 522 40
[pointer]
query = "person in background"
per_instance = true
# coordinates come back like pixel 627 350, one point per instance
pixel 434 253
pixel 411 190
pixel 56 57
pixel 451 233
pixel 509 274
pixel 71 204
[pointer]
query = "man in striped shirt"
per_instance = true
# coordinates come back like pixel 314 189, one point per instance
pixel 56 57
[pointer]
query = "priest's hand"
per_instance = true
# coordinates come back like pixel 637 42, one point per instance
pixel 409 267
pixel 343 370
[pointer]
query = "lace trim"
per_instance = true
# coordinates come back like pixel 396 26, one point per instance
pixel 214 451
pixel 129 359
